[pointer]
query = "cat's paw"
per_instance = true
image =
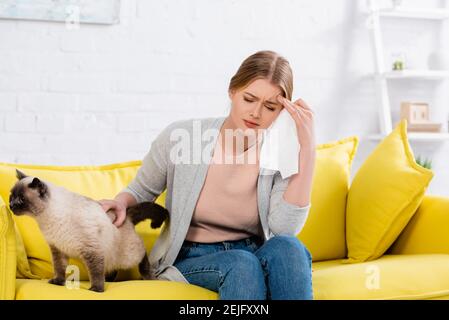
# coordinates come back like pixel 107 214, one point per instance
pixel 57 281
pixel 97 288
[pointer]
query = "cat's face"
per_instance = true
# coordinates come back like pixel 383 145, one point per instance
pixel 28 196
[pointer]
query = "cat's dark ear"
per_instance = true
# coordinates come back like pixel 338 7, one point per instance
pixel 39 185
pixel 36 183
pixel 20 175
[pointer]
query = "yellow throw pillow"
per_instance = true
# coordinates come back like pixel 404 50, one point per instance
pixel 23 266
pixel 7 254
pixel 324 231
pixel 97 182
pixel 384 195
pixel 427 231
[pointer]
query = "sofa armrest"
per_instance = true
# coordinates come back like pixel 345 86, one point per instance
pixel 427 231
pixel 7 253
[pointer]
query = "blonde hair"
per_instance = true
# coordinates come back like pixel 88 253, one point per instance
pixel 267 65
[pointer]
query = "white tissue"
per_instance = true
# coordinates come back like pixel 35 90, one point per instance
pixel 280 147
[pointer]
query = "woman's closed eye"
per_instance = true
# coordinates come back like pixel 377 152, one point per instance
pixel 268 107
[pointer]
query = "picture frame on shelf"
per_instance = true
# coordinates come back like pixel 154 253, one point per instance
pixel 415 112
pixel 417 115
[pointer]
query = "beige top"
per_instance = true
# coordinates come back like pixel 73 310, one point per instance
pixel 227 206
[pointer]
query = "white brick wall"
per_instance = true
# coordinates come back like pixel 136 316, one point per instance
pixel 101 94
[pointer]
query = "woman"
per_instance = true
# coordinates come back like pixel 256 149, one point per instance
pixel 232 229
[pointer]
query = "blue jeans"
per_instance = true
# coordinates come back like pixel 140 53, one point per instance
pixel 248 269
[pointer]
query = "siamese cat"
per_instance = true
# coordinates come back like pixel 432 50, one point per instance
pixel 76 226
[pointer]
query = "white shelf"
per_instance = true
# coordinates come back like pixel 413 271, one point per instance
pixel 383 77
pixel 414 13
pixel 415 74
pixel 416 136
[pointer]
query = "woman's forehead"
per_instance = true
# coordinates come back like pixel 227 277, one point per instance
pixel 263 89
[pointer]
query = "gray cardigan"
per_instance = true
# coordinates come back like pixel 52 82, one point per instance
pixel 184 183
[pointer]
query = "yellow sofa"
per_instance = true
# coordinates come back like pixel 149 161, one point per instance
pixel 416 266
pixel 401 274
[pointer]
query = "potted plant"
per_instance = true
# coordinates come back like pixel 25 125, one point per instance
pixel 427 163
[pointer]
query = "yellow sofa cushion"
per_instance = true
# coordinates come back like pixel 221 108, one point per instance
pixel 97 182
pixel 389 277
pixel 419 276
pixel 384 195
pixel 7 253
pixel 27 289
pixel 427 231
pixel 324 231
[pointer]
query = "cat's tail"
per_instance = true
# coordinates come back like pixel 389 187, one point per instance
pixel 147 210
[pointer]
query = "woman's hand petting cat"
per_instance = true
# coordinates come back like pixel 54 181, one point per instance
pixel 116 206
